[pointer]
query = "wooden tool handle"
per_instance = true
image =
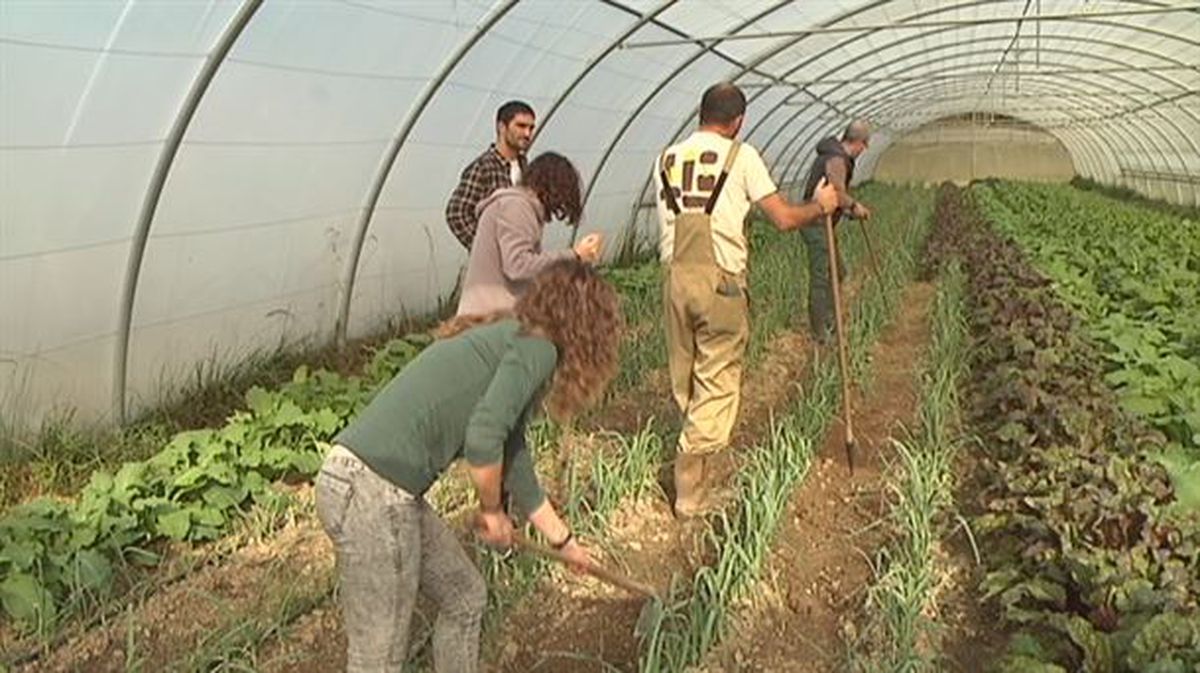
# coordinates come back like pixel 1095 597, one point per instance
pixel 603 574
pixel 843 340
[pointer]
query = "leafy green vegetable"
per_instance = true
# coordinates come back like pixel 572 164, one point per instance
pixel 1093 558
pixel 54 553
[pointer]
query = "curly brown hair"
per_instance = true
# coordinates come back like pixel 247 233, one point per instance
pixel 555 183
pixel 571 305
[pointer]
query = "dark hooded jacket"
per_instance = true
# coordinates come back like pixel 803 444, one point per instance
pixel 835 164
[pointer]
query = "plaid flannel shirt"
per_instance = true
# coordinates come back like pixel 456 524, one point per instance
pixel 487 173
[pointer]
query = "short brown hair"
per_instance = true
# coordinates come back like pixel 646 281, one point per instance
pixel 722 103
pixel 555 183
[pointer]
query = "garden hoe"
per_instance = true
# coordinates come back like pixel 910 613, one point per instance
pixel 651 612
pixel 887 303
pixel 842 339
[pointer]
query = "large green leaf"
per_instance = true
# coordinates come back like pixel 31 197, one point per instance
pixel 1184 469
pixel 26 600
pixel 21 553
pixel 1096 646
pixel 260 401
pixel 92 570
pixel 1144 406
pixel 174 525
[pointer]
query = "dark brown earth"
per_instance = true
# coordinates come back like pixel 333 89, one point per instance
pixel 577 624
pixel 818 570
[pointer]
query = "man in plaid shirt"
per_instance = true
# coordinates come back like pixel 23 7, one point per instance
pixel 499 166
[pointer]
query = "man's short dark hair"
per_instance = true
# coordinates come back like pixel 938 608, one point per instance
pixel 721 104
pixel 511 109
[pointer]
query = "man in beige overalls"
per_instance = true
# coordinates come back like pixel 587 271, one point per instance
pixel 708 183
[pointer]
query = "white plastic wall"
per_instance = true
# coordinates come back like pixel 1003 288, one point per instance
pixel 252 241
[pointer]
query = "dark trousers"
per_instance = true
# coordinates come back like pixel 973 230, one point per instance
pixel 820 291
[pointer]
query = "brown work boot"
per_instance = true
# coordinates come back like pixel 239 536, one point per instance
pixel 700 485
pixel 689 485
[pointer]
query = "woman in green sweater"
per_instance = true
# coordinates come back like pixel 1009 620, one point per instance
pixel 468 395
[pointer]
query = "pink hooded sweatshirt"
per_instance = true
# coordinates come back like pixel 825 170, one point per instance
pixel 507 251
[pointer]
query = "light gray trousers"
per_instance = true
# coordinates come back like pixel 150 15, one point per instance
pixel 390 545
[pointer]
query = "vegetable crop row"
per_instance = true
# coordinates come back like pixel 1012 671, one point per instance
pixel 1091 561
pixel 696 616
pixel 900 634
pixel 1132 274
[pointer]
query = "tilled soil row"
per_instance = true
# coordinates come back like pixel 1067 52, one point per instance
pixel 801 613
pixel 577 624
pixel 643 539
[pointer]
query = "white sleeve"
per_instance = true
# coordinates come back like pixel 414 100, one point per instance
pixel 759 184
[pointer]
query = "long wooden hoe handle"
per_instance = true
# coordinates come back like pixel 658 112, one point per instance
pixel 887 303
pixel 842 339
pixel 603 574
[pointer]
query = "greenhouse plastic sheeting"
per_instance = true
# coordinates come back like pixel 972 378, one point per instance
pixel 267 231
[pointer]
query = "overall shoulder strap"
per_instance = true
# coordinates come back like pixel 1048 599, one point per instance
pixel 716 193
pixel 668 192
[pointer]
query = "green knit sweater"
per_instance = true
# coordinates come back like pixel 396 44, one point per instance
pixel 467 396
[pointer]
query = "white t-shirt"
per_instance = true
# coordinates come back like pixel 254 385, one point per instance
pixel 514 171
pixel 700 158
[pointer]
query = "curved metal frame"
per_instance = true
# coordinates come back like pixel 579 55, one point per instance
pixel 1108 142
pixel 917 87
pixel 1087 153
pixel 926 50
pixel 162 170
pixel 350 271
pixel 849 41
pixel 775 50
pixel 643 19
pixel 1162 98
pixel 908 55
pixel 1145 52
pixel 1094 150
pixel 1089 163
pixel 1024 17
pixel 649 98
pixel 784 45
pixel 1127 130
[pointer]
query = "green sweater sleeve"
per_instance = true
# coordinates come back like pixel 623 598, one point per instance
pixel 527 365
pixel 519 476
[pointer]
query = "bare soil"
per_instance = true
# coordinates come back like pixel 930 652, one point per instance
pixel 574 624
pixel 629 412
pixel 971 641
pixel 818 569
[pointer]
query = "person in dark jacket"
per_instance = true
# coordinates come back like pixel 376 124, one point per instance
pixel 834 162
pixel 466 396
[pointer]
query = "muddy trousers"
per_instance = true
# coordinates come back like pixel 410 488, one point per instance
pixel 390 545
pixel 707 329
pixel 820 291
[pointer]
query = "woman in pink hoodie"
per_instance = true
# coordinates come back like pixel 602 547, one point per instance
pixel 507 251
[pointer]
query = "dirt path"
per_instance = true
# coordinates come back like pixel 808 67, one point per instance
pixel 818 571
pixel 572 624
pixel 970 638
